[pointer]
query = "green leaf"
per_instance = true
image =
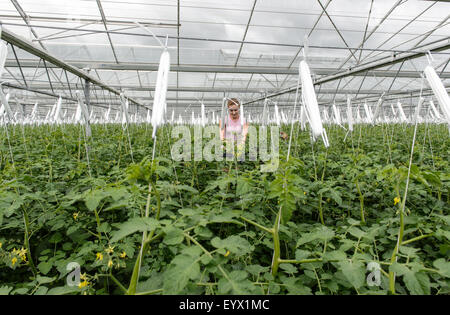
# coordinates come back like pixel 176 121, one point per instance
pixel 335 255
pixel 183 267
pixel 417 283
pixel 44 280
pixel 336 196
pixel 45 267
pixel 93 199
pixel 173 236
pixel 289 268
pixel 243 186
pixel 132 226
pixel 235 244
pixel 294 286
pixel 399 269
pixel 301 254
pixel 256 269
pixel 63 290
pixel 356 232
pixel 236 282
pixel 354 272
pixel 443 267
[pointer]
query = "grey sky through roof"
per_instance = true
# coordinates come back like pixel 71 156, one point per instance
pixel 246 49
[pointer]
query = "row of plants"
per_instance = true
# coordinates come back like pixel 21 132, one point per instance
pixel 137 225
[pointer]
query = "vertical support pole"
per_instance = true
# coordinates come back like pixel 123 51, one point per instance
pixel 87 96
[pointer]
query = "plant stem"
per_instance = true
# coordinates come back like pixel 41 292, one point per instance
pixel 394 253
pixel 258 225
pixel 276 244
pixel 361 202
pixel 150 292
pixel 303 261
pixel 417 238
pixel 27 243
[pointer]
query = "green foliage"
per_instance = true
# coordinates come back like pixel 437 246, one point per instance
pixel 93 213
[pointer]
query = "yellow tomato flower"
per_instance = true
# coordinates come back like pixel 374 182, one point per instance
pixel 75 215
pixel 22 252
pixel 228 253
pixel 109 250
pixel 13 261
pixel 83 276
pixel 110 263
pixel 123 255
pixel 99 256
pixel 396 200
pixel 1 244
pixel 83 284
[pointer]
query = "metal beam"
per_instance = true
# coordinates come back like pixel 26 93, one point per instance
pixel 373 30
pixel 18 87
pixel 102 13
pixel 212 69
pixel 401 29
pixel 337 30
pixel 132 88
pixel 245 32
pixel 363 68
pixel 26 45
pixel 217 40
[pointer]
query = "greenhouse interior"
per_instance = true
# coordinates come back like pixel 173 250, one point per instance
pixel 256 147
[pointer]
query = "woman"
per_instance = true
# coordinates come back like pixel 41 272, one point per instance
pixel 235 128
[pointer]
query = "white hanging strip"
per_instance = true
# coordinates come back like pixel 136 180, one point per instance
pixel 303 118
pixel 47 117
pixel 417 112
pixel 159 102
pixel 349 114
pixel 402 113
pixel 84 114
pixel 434 109
pixel 368 114
pixel 124 108
pixel 277 115
pixel 203 115
pixel 149 117
pixel 310 100
pixel 377 109
pixel 3 54
pixel 56 117
pixel 264 114
pixel 5 102
pixel 52 113
pixel 358 114
pixel 34 111
pixel 337 115
pixel 439 91
pixel 78 114
pixel 108 112
pixel 394 113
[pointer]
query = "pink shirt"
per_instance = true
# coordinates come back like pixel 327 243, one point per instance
pixel 233 129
